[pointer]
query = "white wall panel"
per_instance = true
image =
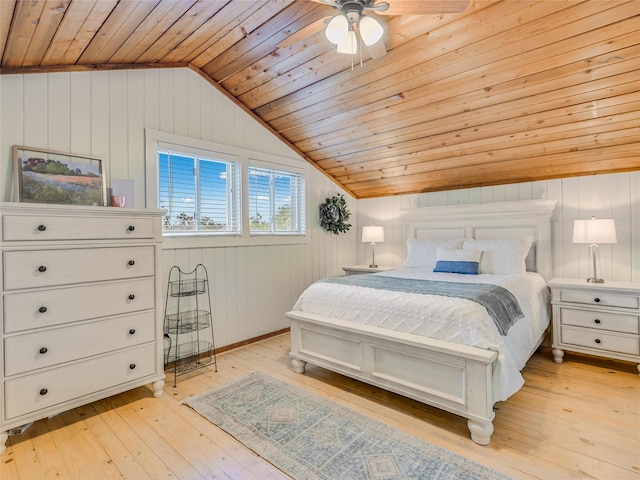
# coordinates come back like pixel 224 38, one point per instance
pixel 614 196
pixel 104 114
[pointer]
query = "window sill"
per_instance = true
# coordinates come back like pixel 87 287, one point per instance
pixel 170 242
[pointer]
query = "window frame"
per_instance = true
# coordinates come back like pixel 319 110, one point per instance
pixel 245 158
pixel 276 168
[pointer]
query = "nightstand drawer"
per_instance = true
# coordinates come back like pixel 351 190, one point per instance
pixel 602 299
pixel 600 320
pixel 585 337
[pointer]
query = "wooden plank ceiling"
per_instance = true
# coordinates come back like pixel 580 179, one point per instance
pixel 503 92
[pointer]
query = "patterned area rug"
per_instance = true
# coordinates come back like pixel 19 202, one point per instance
pixel 309 437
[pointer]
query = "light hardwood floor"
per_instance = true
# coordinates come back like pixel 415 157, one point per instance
pixel 578 420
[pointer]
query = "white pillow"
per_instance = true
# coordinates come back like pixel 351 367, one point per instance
pixel 503 256
pixel 422 253
pixel 457 261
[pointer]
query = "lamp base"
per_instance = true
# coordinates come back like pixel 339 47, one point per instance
pixel 595 280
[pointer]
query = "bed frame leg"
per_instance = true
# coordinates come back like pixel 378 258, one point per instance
pixel 298 365
pixel 481 431
pixel 4 436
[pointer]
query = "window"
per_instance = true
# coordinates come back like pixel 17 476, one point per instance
pixel 201 193
pixel 218 195
pixel 276 201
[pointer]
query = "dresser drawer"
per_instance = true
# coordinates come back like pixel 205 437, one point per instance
pixel 599 340
pixel 603 299
pixel 46 348
pixel 615 322
pixel 30 393
pixel 44 268
pixel 45 308
pixel 43 227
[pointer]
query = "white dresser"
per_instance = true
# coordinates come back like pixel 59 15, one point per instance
pixel 80 307
pixel 596 318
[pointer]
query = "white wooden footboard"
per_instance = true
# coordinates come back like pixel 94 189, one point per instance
pixel 449 376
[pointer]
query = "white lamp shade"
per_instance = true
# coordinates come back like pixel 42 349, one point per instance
pixel 350 44
pixel 595 230
pixel 373 234
pixel 336 31
pixel 370 30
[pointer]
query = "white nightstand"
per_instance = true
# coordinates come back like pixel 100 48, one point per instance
pixel 360 269
pixel 596 318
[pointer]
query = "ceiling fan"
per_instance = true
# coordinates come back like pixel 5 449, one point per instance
pixel 353 22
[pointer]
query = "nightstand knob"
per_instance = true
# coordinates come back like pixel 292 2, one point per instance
pixel 131 228
pixel 597 300
pixel 132 296
pixel 132 263
pixel 42 269
pixel 42 228
pixel 597 320
pixel 132 331
pixel 43 391
pixel 132 366
pixel 598 341
pixel 42 309
pixel 43 350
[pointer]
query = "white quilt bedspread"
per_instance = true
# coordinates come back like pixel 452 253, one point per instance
pixel 446 318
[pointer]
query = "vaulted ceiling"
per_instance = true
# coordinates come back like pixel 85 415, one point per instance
pixel 502 92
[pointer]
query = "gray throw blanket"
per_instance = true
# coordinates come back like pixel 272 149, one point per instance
pixel 500 303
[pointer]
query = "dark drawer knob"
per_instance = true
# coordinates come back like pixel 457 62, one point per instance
pixel 597 320
pixel 598 341
pixel 132 331
pixel 131 228
pixel 132 262
pixel 42 268
pixel 597 300
pixel 43 391
pixel 42 228
pixel 132 366
pixel 43 350
pixel 132 296
pixel 42 309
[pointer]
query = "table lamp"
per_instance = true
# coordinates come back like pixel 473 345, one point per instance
pixel 593 232
pixel 373 234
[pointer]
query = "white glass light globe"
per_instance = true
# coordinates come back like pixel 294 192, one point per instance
pixel 370 30
pixel 350 44
pixel 337 29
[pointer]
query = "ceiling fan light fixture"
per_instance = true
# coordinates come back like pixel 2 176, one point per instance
pixel 350 44
pixel 337 30
pixel 370 30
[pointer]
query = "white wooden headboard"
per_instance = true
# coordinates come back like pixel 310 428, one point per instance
pixel 520 219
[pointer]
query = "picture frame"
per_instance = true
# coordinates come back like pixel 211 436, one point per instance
pixel 47 176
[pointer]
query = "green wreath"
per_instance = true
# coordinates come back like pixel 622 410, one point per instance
pixel 334 215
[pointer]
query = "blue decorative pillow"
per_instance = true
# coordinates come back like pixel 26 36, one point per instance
pixel 458 261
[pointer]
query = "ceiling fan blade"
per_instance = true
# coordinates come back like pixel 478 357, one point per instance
pixel 424 7
pixel 304 33
pixel 331 3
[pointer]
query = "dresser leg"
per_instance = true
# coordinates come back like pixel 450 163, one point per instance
pixel 4 436
pixel 638 368
pixel 157 388
pixel 557 355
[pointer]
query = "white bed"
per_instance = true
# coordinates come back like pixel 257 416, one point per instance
pixel 382 340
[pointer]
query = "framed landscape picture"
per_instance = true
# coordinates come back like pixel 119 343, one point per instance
pixel 45 176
